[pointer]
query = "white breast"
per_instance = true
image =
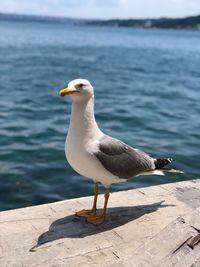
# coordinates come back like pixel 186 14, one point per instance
pixel 79 158
pixel 81 144
pixel 86 164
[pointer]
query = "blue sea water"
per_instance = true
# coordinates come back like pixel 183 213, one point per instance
pixel 147 88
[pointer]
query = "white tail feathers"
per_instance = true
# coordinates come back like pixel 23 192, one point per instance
pixel 154 172
pixel 160 172
pixel 172 170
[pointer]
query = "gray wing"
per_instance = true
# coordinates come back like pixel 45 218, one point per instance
pixel 122 160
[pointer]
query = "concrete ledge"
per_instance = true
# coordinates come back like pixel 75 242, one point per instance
pixel 145 227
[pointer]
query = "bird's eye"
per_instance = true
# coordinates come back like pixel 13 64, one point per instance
pixel 81 85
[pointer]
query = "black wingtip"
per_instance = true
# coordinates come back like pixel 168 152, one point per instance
pixel 162 162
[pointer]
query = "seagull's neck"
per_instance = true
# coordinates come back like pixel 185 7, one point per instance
pixel 83 125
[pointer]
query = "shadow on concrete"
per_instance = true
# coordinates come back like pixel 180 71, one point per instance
pixel 76 227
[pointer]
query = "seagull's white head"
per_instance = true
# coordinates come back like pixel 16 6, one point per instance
pixel 79 90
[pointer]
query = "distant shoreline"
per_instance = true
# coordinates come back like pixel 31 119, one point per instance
pixel 188 23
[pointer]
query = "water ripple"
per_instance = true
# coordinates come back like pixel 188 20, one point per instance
pixel 147 94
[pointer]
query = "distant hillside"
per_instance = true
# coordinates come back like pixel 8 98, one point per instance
pixel 192 23
pixel 164 23
pixel 34 18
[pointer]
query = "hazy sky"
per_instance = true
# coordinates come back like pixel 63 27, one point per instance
pixel 103 8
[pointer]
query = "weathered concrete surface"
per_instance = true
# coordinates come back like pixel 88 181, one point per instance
pixel 145 227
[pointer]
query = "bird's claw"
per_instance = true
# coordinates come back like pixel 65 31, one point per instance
pixel 85 213
pixel 96 219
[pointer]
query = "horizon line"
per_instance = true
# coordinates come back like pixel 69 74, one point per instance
pixel 99 19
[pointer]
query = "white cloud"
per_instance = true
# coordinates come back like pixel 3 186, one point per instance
pixel 109 3
pixel 123 2
pixel 178 1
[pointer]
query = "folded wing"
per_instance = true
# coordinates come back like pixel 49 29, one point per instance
pixel 122 160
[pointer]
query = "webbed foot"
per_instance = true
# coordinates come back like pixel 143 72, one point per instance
pixel 85 213
pixel 96 219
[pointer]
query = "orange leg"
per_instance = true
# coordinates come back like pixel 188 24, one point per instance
pixel 98 219
pixel 88 212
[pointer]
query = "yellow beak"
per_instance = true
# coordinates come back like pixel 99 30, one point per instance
pixel 67 91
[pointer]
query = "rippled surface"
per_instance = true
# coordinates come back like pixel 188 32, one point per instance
pixel 147 87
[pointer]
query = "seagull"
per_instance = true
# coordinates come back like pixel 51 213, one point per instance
pixel 100 157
